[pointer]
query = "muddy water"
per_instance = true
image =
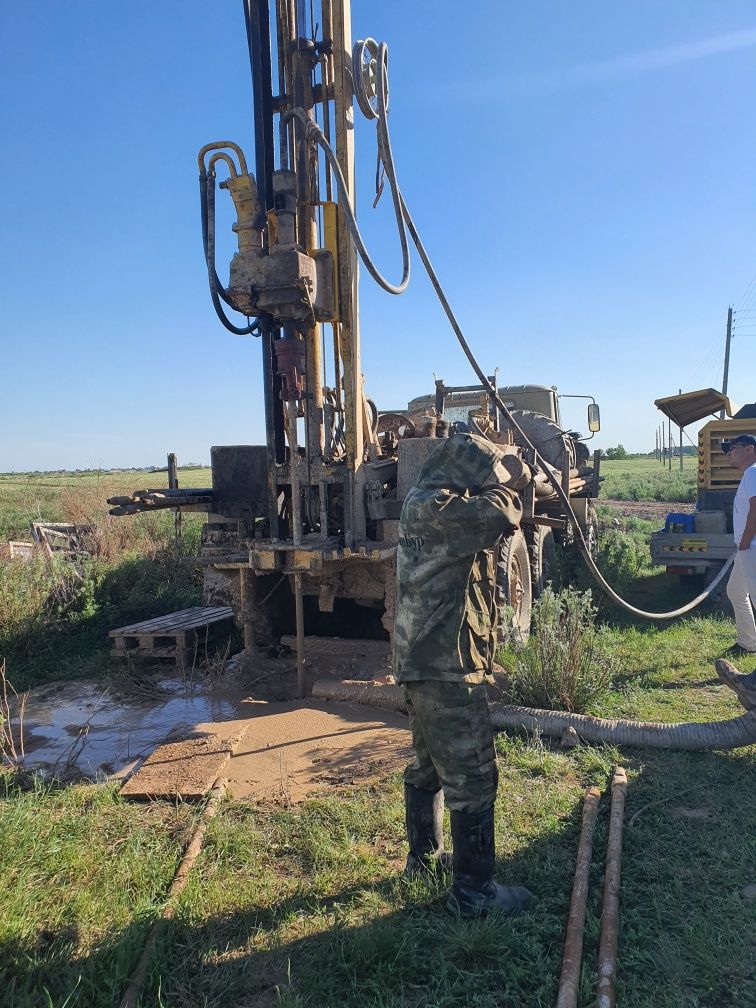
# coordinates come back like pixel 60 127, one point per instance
pixel 81 729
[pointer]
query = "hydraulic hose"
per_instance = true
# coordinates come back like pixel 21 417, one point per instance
pixel 315 135
pixel 552 476
pixel 207 210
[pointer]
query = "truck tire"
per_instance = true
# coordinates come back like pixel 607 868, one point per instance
pixel 514 589
pixel 553 445
pixel 544 552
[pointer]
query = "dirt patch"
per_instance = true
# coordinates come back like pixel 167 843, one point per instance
pixel 649 510
pixel 188 768
pixel 286 749
pixel 290 750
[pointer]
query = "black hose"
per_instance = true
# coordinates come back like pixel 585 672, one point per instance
pixel 315 135
pixel 207 186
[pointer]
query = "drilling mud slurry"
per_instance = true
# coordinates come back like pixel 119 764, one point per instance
pixel 82 729
pixel 285 751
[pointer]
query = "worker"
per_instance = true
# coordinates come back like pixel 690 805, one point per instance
pixel 741 588
pixel 464 500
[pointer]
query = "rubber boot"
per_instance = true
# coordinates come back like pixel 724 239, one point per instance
pixel 743 685
pixel 425 832
pixel 474 892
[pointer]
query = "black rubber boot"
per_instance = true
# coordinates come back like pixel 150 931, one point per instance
pixel 474 892
pixel 425 832
pixel 743 685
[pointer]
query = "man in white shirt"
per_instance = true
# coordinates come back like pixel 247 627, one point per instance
pixel 741 588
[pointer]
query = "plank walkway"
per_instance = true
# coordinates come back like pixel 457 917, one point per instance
pixel 175 635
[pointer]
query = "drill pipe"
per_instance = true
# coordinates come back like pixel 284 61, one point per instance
pixel 573 942
pixel 606 996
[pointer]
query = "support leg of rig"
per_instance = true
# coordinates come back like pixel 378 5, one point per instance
pixel 299 615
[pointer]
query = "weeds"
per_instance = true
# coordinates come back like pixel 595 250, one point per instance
pixel 56 615
pixel 567 664
pixel 12 706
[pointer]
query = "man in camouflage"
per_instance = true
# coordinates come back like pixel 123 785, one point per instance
pixel 464 500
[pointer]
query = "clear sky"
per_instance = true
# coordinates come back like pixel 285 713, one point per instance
pixel 583 174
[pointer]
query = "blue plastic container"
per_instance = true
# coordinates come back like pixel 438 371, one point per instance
pixel 678 522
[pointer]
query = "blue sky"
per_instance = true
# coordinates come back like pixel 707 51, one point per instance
pixel 582 174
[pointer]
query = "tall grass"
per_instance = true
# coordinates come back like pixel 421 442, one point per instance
pixel 662 485
pixel 56 613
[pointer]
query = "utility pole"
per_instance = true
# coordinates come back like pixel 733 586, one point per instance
pixel 681 430
pixel 669 443
pixel 726 374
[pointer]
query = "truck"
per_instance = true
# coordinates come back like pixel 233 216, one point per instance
pixel 301 531
pixel 351 594
pixel 697 545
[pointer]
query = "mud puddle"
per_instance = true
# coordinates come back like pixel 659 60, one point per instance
pixel 86 729
pixel 286 748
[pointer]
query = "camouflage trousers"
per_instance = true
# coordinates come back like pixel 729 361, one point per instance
pixel 454 743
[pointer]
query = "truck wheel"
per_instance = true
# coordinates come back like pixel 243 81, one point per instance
pixel 718 598
pixel 544 559
pixel 514 589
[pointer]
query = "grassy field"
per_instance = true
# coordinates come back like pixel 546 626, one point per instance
pixel 645 479
pixel 55 622
pixel 305 905
pixel 74 496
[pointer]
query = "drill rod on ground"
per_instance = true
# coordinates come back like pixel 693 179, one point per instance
pixel 606 996
pixel 573 942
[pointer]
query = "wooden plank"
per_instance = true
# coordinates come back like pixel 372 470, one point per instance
pixel 184 619
pixel 170 619
pixel 161 652
pixel 185 769
pixel 205 621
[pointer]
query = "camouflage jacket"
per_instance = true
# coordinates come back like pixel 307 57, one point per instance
pixel 446 563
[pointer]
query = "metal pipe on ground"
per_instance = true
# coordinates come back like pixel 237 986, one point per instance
pixel 606 995
pixel 133 991
pixel 573 942
pixel 731 734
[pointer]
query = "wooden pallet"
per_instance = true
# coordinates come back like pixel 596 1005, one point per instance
pixel 178 635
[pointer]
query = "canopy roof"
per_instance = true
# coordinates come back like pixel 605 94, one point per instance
pixel 691 406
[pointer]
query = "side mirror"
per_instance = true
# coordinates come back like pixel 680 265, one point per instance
pixel 594 418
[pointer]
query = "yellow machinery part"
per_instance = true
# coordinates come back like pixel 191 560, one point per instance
pixel 715 471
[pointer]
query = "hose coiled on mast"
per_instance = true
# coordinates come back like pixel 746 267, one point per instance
pixel 378 69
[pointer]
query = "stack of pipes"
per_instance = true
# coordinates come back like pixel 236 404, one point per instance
pixel 199 499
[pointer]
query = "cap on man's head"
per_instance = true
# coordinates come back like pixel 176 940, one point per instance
pixel 744 439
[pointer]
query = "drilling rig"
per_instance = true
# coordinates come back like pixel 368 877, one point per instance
pixel 301 532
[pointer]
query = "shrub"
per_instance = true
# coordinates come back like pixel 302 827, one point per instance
pixel 567 663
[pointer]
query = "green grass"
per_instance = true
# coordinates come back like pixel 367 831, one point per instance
pixel 81 873
pixel 56 497
pixel 645 479
pixel 306 905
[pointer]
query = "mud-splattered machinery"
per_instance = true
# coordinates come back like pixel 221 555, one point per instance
pixel 302 532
